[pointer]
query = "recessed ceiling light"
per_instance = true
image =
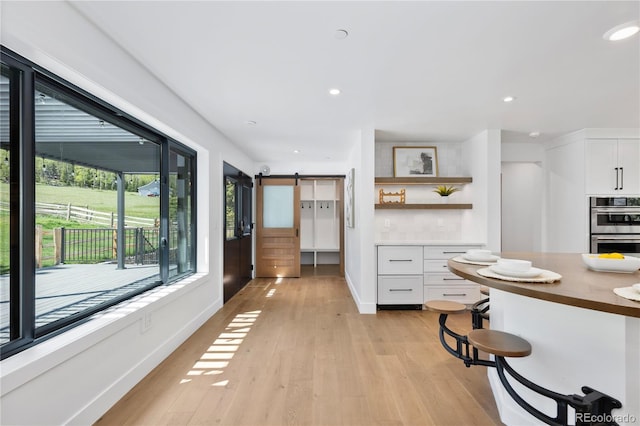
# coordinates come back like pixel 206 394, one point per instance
pixel 341 34
pixel 508 99
pixel 251 123
pixel 296 151
pixel 534 134
pixel 621 32
pixel 334 92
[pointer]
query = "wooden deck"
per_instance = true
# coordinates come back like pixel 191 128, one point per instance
pixel 64 289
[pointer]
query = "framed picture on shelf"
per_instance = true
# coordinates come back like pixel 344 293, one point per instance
pixel 415 161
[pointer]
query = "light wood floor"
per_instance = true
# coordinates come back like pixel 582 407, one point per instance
pixel 297 352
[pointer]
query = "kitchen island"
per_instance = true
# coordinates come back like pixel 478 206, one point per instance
pixel 581 332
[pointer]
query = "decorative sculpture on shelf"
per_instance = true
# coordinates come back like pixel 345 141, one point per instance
pixel 400 194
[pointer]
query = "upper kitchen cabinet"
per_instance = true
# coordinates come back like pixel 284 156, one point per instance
pixel 581 164
pixel 612 166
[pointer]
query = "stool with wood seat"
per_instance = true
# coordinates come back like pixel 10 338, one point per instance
pixel 594 407
pixel 461 351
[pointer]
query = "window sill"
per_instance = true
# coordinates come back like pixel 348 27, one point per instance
pixel 30 363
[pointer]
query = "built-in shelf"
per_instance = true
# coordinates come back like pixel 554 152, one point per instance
pixel 433 206
pixel 445 180
pixel 422 180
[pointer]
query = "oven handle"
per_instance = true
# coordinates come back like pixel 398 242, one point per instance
pixel 629 210
pixel 614 238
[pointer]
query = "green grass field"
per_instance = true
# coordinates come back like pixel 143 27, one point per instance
pixel 100 200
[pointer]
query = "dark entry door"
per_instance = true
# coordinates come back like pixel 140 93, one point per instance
pixel 238 231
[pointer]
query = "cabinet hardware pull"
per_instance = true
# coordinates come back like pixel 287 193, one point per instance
pixel 454 294
pixel 400 289
pixel 453 252
pixel 400 260
pixel 453 279
pixel 621 177
pixel 617 176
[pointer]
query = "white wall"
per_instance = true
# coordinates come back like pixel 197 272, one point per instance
pixel 482 156
pixel 523 196
pixel 360 261
pixel 76 376
pixel 522 206
pixel 567 214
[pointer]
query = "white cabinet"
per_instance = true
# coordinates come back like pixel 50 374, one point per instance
pixel 320 207
pixel 440 283
pixel 400 275
pixel 612 166
pixel 412 275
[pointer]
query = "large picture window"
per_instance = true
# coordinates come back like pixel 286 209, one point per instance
pixel 95 206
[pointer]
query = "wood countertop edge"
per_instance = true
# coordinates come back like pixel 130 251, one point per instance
pixel 530 290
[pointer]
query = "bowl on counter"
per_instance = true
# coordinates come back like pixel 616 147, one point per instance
pixel 516 265
pixel 480 255
pixel 628 264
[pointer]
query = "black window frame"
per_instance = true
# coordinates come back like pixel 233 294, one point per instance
pixel 23 331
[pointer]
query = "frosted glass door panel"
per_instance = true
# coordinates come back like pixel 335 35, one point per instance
pixel 278 206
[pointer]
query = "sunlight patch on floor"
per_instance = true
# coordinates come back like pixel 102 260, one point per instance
pixel 220 353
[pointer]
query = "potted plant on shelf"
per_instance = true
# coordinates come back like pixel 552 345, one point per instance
pixel 444 191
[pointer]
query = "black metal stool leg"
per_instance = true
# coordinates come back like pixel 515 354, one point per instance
pixel 479 312
pixel 462 345
pixel 594 408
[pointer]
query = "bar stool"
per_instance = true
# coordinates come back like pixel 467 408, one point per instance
pixel 593 405
pixel 445 308
pixel 499 343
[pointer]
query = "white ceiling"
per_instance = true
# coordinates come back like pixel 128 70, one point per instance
pixel 414 71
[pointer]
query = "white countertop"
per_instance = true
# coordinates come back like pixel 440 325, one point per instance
pixel 428 243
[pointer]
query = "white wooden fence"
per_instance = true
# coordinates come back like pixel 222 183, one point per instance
pixel 85 215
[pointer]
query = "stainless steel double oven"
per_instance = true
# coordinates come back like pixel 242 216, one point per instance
pixel 615 225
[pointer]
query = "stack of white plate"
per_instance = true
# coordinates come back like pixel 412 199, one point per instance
pixel 515 268
pixel 477 255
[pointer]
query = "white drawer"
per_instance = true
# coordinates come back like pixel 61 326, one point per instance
pixel 400 290
pixel 444 278
pixel 446 252
pixel 400 260
pixel 463 294
pixel 436 265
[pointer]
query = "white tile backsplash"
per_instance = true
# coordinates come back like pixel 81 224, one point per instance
pixel 445 225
